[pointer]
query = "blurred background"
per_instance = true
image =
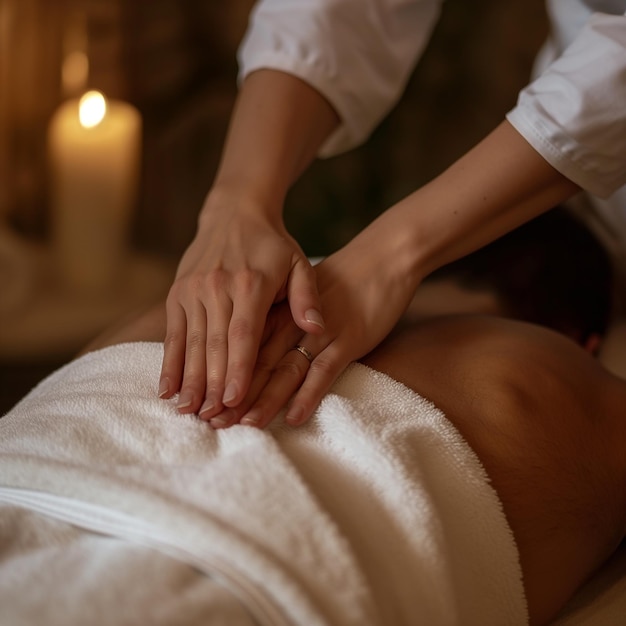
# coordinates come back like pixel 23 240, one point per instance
pixel 174 62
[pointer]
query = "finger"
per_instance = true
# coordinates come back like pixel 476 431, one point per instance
pixel 304 298
pixel 320 377
pixel 194 376
pixel 287 376
pixel 173 350
pixel 218 315
pixel 285 334
pixel 250 309
pixel 279 321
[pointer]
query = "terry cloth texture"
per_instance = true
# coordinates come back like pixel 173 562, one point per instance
pixel 376 512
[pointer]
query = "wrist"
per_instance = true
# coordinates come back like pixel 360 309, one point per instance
pixel 228 202
pixel 497 186
pixel 277 127
pixel 391 235
pixel 247 193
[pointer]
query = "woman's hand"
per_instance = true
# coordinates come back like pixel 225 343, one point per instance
pixel 364 288
pixel 242 260
pixel 238 266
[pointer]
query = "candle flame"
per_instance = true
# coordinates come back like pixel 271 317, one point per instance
pixel 92 109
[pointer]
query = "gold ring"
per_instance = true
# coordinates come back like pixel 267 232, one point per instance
pixel 307 353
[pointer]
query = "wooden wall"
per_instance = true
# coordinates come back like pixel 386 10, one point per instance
pixel 30 55
pixel 175 59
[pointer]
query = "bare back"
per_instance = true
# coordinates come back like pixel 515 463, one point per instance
pixel 536 410
pixel 541 414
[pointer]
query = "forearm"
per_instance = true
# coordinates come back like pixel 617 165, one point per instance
pixel 498 185
pixel 242 259
pixel 358 53
pixel 277 127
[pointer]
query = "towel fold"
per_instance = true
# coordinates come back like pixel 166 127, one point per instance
pixel 375 512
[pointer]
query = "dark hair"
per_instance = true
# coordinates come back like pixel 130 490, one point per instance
pixel 551 271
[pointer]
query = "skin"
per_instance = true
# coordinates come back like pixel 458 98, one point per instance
pixel 245 274
pixel 544 418
pixel 242 260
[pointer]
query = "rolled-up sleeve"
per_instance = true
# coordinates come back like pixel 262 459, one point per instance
pixel 574 114
pixel 359 54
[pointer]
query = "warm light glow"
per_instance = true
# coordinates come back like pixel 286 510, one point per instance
pixel 92 109
pixel 75 72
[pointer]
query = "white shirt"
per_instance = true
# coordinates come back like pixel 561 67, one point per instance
pixel 360 53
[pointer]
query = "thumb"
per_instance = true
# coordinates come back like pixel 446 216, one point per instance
pixel 304 299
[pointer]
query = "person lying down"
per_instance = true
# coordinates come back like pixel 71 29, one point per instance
pixel 469 471
pixel 454 476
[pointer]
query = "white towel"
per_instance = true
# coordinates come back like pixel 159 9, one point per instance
pixel 376 512
pixel 100 579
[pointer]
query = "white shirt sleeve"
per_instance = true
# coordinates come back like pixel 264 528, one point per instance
pixel 359 54
pixel 574 114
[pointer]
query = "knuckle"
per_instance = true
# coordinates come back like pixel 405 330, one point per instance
pixel 290 369
pixel 194 378
pixel 240 329
pixel 174 339
pixel 212 281
pixel 323 366
pixel 193 382
pixel 176 290
pixel 248 280
pixel 210 388
pixel 195 341
pixel 185 285
pixel 197 282
pixel 216 344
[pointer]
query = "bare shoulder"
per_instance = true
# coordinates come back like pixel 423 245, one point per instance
pixel 533 406
pixel 476 357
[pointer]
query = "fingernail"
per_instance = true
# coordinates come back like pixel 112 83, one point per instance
pixel 184 400
pixel 226 418
pixel 164 387
pixel 218 422
pixel 251 419
pixel 314 317
pixel 230 393
pixel 207 407
pixel 294 416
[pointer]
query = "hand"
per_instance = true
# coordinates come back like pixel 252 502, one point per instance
pixel 364 290
pixel 238 265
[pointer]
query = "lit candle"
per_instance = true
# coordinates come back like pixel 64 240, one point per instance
pixel 94 151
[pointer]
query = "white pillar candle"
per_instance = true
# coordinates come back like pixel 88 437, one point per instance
pixel 94 151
